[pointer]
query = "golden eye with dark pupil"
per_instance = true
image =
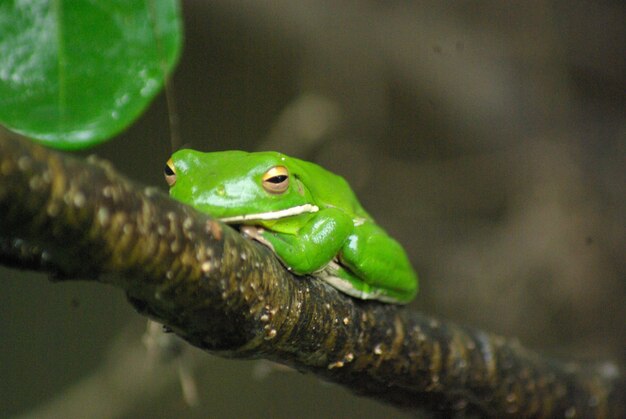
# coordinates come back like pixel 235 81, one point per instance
pixel 170 173
pixel 276 179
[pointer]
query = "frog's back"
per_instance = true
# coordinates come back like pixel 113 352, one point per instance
pixel 327 188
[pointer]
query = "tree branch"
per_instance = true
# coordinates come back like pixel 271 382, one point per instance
pixel 231 296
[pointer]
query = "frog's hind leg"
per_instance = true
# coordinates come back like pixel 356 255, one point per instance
pixel 381 263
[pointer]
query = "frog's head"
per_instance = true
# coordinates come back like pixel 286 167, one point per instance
pixel 237 186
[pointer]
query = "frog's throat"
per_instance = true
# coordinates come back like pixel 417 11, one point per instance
pixel 272 215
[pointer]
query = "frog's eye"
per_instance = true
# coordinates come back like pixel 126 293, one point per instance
pixel 276 180
pixel 170 173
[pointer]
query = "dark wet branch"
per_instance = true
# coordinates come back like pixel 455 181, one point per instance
pixel 230 296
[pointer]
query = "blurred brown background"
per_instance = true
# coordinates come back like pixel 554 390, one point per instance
pixel 488 137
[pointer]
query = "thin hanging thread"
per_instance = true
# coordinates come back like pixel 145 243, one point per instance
pixel 172 112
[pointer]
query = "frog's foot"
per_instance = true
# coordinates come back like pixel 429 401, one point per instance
pixel 255 233
pixel 345 281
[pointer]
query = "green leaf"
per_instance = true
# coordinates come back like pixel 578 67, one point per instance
pixel 76 72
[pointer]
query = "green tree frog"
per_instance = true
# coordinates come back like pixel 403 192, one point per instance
pixel 307 215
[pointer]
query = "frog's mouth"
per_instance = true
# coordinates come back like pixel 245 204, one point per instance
pixel 272 215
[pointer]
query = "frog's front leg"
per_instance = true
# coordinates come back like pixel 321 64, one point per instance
pixel 315 244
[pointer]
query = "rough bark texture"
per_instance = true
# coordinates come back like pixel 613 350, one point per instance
pixel 230 296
